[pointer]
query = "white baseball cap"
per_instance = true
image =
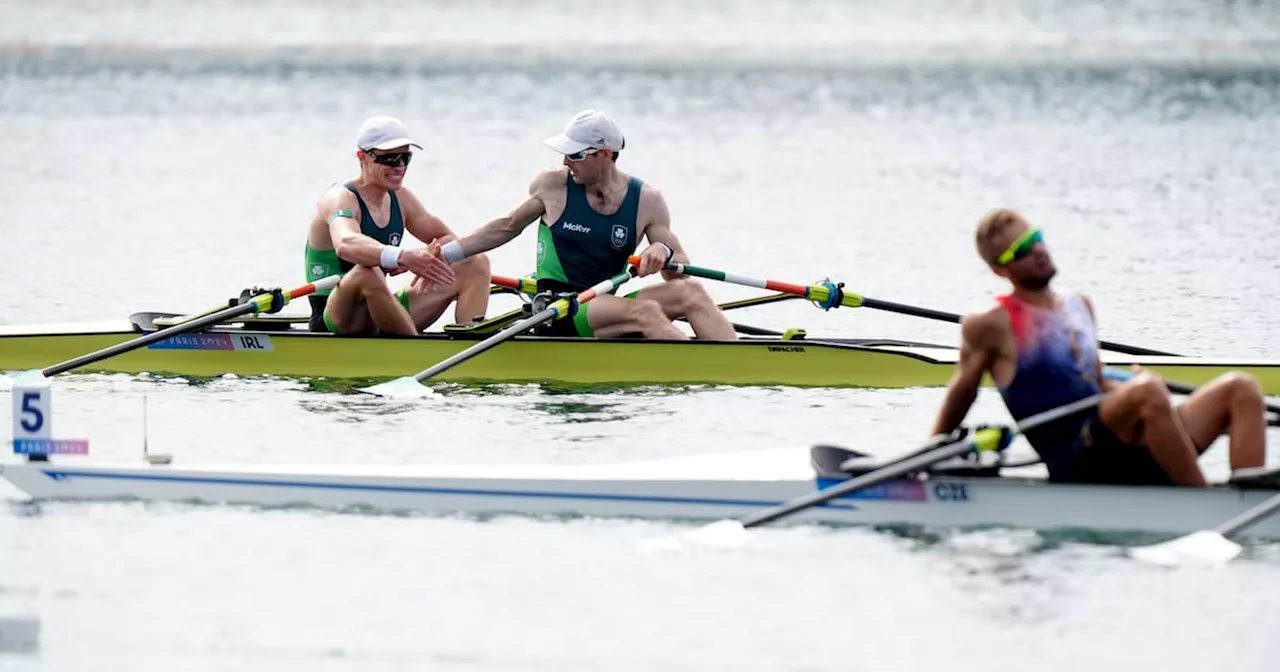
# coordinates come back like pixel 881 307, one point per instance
pixel 588 129
pixel 383 133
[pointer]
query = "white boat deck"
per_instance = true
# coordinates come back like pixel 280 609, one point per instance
pixel 65 328
pixel 771 465
pixel 699 487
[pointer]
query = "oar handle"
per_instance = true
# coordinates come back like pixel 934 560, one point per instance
pixel 257 304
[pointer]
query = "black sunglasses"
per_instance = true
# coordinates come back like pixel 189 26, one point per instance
pixel 393 160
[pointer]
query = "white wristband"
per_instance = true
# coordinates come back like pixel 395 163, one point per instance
pixel 670 252
pixel 390 256
pixel 452 252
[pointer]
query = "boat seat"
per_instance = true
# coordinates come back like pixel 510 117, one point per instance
pixel 1267 478
pixel 838 462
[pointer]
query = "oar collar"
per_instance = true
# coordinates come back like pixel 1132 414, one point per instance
pixel 835 294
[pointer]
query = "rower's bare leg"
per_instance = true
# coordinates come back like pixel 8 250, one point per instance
pixel 1140 412
pixel 363 294
pixel 687 298
pixel 612 316
pixel 427 307
pixel 472 288
pixel 1231 402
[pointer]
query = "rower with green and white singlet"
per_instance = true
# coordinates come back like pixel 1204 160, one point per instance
pixel 365 228
pixel 323 263
pixel 590 218
pixel 581 247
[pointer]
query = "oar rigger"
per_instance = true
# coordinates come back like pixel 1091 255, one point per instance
pixel 541 300
pixel 277 303
pixel 832 463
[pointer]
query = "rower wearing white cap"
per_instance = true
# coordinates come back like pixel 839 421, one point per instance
pixel 358 228
pixel 592 218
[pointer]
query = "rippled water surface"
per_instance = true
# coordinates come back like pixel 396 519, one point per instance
pixel 163 156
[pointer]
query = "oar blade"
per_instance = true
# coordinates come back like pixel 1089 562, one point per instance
pixel 404 387
pixel 726 533
pixel 1204 549
pixel 30 375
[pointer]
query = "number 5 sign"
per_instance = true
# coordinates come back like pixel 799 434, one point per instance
pixel 33 419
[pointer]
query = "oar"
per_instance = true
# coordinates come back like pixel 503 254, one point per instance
pixel 830 295
pixel 261 303
pixel 524 285
pixel 732 532
pixel 291 319
pixel 1206 548
pixel 1181 388
pixel 412 387
pixel 247 293
pixel 529 286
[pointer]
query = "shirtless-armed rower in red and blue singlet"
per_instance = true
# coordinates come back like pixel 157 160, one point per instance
pixel 1041 351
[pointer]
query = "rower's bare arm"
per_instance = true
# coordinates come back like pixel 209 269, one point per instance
pixel 339 208
pixel 976 354
pixel 500 231
pixel 658 230
pixel 357 248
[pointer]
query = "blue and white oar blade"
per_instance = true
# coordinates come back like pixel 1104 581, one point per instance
pixel 1203 549
pixel 19 634
pixel 28 376
pixel 728 533
pixel 720 534
pixel 404 387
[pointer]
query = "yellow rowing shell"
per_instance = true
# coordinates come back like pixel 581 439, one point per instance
pixel 768 361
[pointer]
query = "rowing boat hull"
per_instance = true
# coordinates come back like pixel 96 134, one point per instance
pixel 706 488
pixel 528 359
